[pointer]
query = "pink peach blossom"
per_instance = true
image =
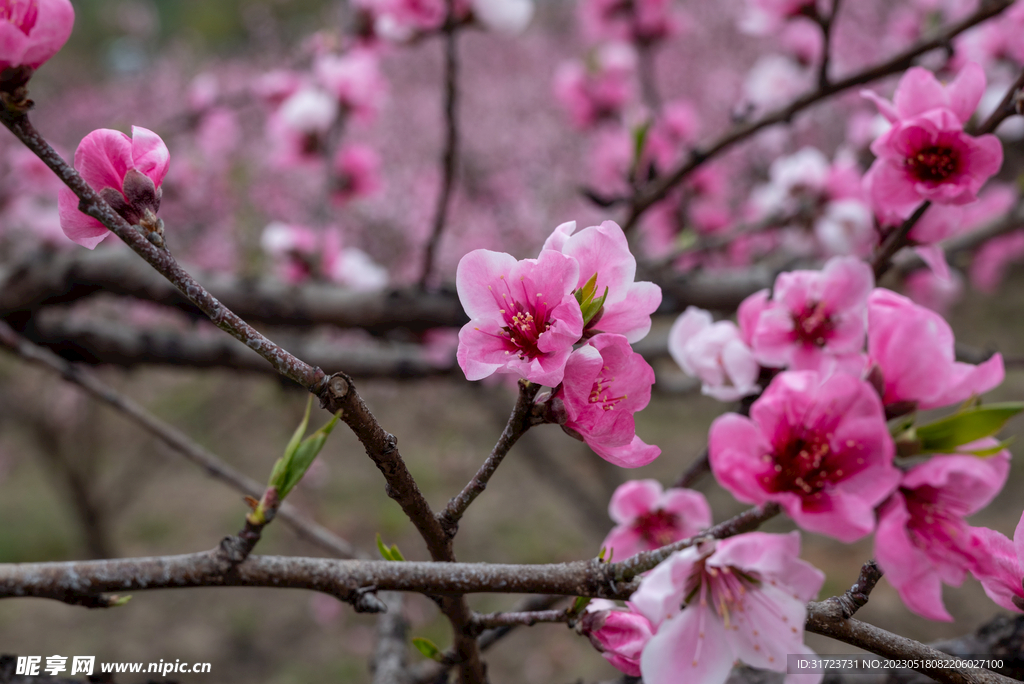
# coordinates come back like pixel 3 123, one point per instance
pixel 33 31
pixel 126 172
pixel 926 155
pixel 715 353
pixel 604 251
pixel 619 634
pixel 992 259
pixel 357 173
pixel 914 348
pixel 354 79
pixel 648 517
pixel 821 449
pixel 923 541
pixel 525 318
pixel 742 598
pixel 599 89
pixel 764 17
pixel 1000 566
pixel 816 319
pixel 605 383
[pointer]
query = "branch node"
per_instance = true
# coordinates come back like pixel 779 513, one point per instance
pixel 365 600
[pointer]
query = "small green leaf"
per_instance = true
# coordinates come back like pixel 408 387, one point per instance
pixel 428 648
pixel 118 601
pixel 304 456
pixel 279 473
pixel 944 436
pixel 586 293
pixel 591 309
pixel 639 141
pixel 390 554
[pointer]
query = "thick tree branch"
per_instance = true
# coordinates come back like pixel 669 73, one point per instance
pixel 659 188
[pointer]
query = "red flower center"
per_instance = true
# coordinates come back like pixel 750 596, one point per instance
pixel 934 164
pixel 525 320
pixel 812 324
pixel 21 13
pixel 801 466
pixel 657 528
pixel 600 393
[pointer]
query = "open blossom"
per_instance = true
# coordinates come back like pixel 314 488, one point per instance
pixel 620 635
pixel 604 384
pixel 821 449
pixel 923 541
pixel 648 517
pixel 815 319
pixel 926 155
pixel 1000 566
pixel 742 598
pixel 524 317
pixel 603 251
pixel 914 348
pixel 354 79
pixel 33 31
pixel 715 353
pixel 126 172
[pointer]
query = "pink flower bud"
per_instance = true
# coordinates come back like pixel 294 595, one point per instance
pixel 32 31
pixel 126 172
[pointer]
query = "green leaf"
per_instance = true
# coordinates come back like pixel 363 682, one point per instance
pixel 639 141
pixel 591 309
pixel 428 648
pixel 278 474
pixel 991 451
pixel 304 456
pixel 392 553
pixel 586 293
pixel 384 550
pixel 579 605
pixel 944 436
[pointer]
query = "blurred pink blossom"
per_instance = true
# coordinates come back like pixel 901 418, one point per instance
pixel 357 173
pixel 715 353
pixel 914 348
pixel 648 517
pixel 33 31
pixel 923 540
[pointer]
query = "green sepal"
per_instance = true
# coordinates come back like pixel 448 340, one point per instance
pixel 593 308
pixel 389 554
pixel 587 292
pixel 898 426
pixel 118 601
pixel 990 451
pixel 579 605
pixel 639 141
pixel 968 425
pixel 428 648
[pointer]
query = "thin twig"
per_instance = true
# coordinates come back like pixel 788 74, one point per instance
pixel 826 50
pixel 700 467
pixel 659 188
pixel 449 157
pixel 856 597
pixel 518 423
pixel 524 618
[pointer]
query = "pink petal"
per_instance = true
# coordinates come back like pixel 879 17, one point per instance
pixel 149 154
pixel 885 108
pixel 103 158
pixel 770 626
pixel 474 277
pixel 53 28
pixel 967 380
pixel 966 90
pixel 633 499
pixel 691 507
pixel 918 91
pixel 622 542
pixel 892 194
pixel 935 258
pixel 735 448
pixel 633 455
pixel 846 283
pixel 79 227
pixel 749 313
pixel 13 45
pixel 693 646
pixel 632 315
pixel 559 236
pixel 603 250
pixel 908 568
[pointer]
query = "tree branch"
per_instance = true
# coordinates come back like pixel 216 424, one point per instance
pixel 449 157
pixel 518 423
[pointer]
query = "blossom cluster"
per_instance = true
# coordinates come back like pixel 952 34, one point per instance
pixel 566 320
